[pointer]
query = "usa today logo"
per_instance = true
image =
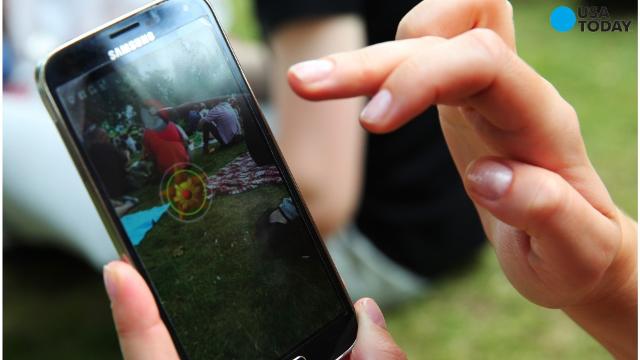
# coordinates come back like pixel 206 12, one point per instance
pixel 589 18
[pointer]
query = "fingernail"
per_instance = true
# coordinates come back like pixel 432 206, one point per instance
pixel 376 108
pixel 312 70
pixel 109 276
pixel 490 179
pixel 373 312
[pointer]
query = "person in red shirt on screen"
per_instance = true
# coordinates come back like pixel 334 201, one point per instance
pixel 164 141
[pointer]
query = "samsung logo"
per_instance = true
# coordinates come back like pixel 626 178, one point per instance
pixel 131 45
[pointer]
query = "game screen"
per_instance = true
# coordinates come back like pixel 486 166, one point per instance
pixel 175 146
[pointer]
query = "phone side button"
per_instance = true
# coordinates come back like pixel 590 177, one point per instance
pixel 299 358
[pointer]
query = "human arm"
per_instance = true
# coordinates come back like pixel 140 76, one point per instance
pixel 516 142
pixel 320 141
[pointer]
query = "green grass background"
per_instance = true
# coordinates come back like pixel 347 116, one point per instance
pixel 220 265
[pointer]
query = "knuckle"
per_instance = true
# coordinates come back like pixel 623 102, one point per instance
pixel 489 42
pixel 494 7
pixel 411 71
pixel 406 27
pixel 571 116
pixel 508 9
pixel 549 199
pixel 566 119
pixel 367 68
pixel 413 65
pixel 570 111
pixel 569 124
pixel 413 24
pixel 497 5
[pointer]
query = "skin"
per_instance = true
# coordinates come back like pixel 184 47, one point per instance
pixel 558 236
pixel 323 146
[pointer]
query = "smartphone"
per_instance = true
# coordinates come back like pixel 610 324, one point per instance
pixel 191 186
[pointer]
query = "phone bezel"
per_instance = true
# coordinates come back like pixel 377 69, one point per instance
pixel 336 338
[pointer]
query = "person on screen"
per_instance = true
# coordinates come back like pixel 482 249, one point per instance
pixel 108 160
pixel 203 110
pixel 164 141
pixel 111 165
pixel 223 123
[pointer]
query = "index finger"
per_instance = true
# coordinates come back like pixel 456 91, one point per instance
pixel 526 118
pixel 353 73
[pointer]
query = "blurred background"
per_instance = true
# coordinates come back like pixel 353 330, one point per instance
pixel 54 303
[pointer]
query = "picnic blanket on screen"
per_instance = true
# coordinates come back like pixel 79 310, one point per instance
pixel 242 174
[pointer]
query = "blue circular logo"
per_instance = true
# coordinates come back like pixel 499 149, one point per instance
pixel 562 19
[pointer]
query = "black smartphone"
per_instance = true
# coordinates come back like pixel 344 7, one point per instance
pixel 192 188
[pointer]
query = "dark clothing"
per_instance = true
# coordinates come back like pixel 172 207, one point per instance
pixel 207 130
pixel 193 119
pixel 414 207
pixel 110 164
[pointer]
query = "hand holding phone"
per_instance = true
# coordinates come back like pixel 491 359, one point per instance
pixel 142 334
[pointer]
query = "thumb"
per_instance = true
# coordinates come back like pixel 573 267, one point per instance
pixel 141 332
pixel 374 341
pixel 563 246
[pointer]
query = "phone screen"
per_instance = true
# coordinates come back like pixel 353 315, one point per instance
pixel 171 134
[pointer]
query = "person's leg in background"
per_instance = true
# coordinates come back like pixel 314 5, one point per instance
pixel 207 129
